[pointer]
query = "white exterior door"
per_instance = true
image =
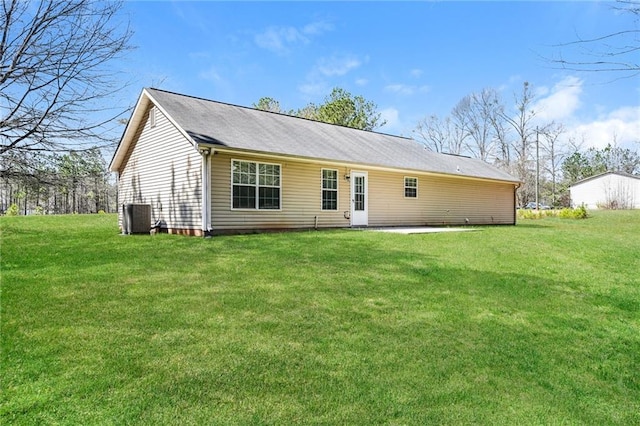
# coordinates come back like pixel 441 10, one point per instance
pixel 359 199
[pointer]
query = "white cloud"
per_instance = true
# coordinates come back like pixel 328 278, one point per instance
pixel 406 89
pixel 318 79
pixel 561 101
pixel 390 115
pixel 280 39
pixel 416 72
pixel 337 65
pixel 199 55
pixel 362 81
pixel 622 124
pixel 211 74
pixel 317 28
pixel 313 89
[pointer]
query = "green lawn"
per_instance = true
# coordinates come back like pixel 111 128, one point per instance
pixel 533 324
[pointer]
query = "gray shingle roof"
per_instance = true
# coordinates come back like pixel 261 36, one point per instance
pixel 249 129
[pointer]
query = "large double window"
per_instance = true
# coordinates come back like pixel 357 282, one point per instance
pixel 255 185
pixel 329 189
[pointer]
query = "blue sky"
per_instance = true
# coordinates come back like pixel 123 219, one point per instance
pixel 412 59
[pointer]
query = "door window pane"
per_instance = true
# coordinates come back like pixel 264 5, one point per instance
pixel 358 190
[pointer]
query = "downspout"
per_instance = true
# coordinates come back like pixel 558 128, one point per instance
pixel 515 202
pixel 118 208
pixel 206 191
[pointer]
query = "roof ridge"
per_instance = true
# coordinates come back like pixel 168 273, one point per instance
pixel 279 113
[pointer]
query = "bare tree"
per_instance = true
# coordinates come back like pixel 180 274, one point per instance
pixel 481 110
pixel 439 135
pixel 554 156
pixel 501 133
pixel 483 128
pixel 521 123
pixel 615 52
pixel 55 74
pixel 460 121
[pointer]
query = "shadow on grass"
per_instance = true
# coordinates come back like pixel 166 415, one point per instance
pixel 533 223
pixel 333 327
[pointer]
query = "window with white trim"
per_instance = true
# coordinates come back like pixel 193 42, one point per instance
pixel 329 189
pixel 255 185
pixel 410 187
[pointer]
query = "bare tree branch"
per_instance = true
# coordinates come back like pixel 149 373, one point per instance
pixel 616 52
pixel 55 73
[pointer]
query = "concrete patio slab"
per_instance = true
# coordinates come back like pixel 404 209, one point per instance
pixel 420 230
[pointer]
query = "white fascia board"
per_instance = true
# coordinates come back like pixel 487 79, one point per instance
pixel 171 120
pixel 135 122
pixel 132 125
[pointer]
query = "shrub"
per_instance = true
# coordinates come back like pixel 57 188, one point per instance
pixel 529 214
pixel 39 211
pixel 12 210
pixel 580 212
pixel 566 213
pixel 577 213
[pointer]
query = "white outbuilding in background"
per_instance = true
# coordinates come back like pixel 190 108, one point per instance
pixel 610 190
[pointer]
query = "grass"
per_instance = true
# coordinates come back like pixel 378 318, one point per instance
pixel 533 324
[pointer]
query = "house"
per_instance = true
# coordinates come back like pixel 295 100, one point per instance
pixel 610 190
pixel 209 167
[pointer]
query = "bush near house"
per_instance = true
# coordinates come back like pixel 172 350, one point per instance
pixel 537 323
pixel 577 213
pixel 565 213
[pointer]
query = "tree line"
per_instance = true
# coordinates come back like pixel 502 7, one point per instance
pixel 41 183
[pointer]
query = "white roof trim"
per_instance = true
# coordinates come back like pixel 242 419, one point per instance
pixel 594 177
pixel 135 122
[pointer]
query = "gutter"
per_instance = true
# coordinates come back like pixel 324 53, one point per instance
pixel 206 154
pixel 282 157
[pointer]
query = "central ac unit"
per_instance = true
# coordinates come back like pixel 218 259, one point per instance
pixel 136 218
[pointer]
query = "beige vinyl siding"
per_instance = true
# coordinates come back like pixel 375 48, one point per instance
pixel 301 198
pixel 440 200
pixel 459 201
pixel 163 169
pixel 387 204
